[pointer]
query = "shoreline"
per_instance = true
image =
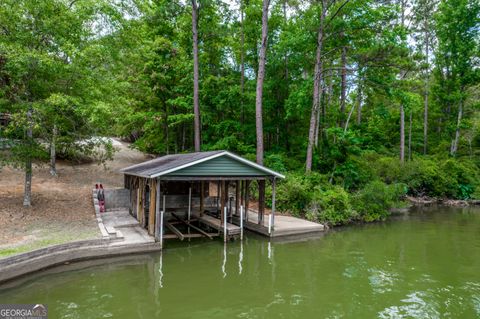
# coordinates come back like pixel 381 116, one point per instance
pixel 419 201
pixel 17 266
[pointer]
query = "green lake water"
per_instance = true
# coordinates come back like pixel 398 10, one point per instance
pixel 424 264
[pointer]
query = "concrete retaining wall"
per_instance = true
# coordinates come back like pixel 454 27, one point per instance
pixel 15 266
pixel 117 198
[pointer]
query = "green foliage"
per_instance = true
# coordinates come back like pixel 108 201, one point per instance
pixel 314 198
pixel 431 176
pixel 375 200
pixel 295 193
pixel 332 206
pixel 99 68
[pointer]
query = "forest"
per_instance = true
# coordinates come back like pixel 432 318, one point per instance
pixel 359 102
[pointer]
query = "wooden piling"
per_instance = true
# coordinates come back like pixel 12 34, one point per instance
pixel 222 201
pixel 247 198
pixel 237 197
pixel 202 194
pixel 157 212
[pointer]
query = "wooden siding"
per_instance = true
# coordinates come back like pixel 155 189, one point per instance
pixel 220 166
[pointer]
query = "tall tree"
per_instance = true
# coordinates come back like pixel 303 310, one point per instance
pixel 242 61
pixel 423 27
pixel 317 81
pixel 457 33
pixel 403 73
pixel 27 194
pixel 196 103
pixel 258 101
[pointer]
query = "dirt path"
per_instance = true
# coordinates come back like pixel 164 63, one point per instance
pixel 62 208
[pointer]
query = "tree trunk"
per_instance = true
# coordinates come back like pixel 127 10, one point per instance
pixel 27 195
pixel 425 120
pixel 425 101
pixel 196 106
pixel 258 105
pixel 410 138
pixel 260 78
pixel 166 131
pixel 359 97
pixel 343 90
pixel 316 90
pixel 53 167
pixel 454 147
pixel 242 63
pixel 402 133
pixel 348 119
pixel 317 125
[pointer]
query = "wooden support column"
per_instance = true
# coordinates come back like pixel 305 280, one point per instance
pixel 151 208
pixel 247 198
pixel 261 201
pixel 221 194
pixel 219 198
pixel 273 201
pixel 189 203
pixel 202 194
pixel 242 193
pixel 227 201
pixel 139 204
pixel 157 212
pixel 237 197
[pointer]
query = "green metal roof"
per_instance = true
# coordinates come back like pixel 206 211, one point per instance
pixel 219 166
pixel 201 164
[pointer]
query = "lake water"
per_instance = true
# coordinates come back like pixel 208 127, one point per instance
pixel 424 264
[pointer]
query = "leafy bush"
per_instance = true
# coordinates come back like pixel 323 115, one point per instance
pixel 375 200
pixel 430 176
pixel 332 206
pixel 464 177
pixel 382 183
pixel 476 193
pixel 295 193
pixel 425 177
pixel 387 169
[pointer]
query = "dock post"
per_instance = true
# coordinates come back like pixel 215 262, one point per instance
pixel 270 224
pixel 189 202
pixel 161 222
pixel 241 222
pixel 157 212
pixel 273 202
pixel 161 229
pixel 247 198
pixel 225 225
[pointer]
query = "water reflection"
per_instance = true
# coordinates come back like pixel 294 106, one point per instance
pixel 412 268
pixel 240 259
pixel 224 260
pixel 160 270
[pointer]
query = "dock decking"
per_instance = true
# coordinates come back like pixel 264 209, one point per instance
pixel 283 225
pixel 232 230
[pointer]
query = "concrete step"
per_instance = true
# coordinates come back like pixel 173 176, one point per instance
pixel 111 230
pixel 119 234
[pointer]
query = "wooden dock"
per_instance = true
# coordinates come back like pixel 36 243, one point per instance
pixel 284 225
pixel 215 223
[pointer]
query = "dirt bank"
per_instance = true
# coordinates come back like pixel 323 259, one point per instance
pixel 61 206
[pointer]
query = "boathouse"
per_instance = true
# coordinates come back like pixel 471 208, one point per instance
pixel 206 193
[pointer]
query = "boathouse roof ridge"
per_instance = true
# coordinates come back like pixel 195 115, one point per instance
pixel 174 163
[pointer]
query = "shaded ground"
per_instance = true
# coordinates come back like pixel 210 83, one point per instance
pixel 62 208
